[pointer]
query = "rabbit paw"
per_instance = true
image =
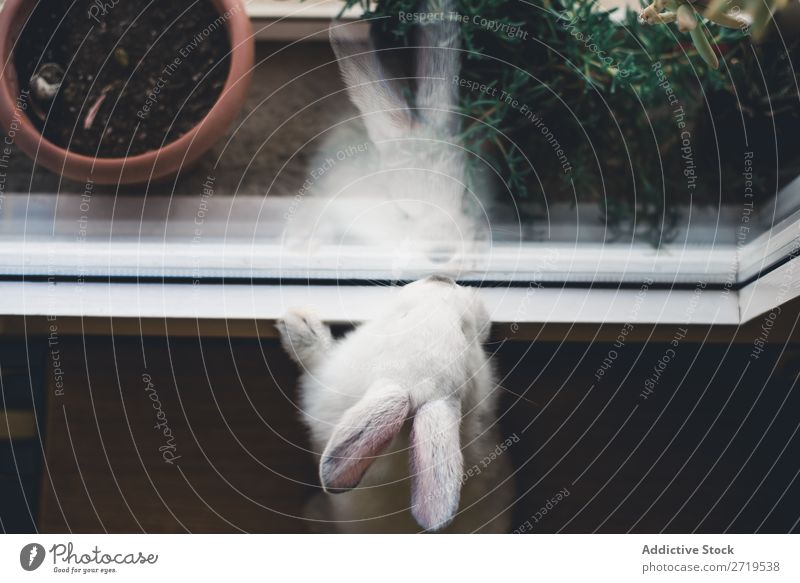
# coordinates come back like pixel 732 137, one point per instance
pixel 304 337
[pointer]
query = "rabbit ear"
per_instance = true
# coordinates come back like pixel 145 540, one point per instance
pixel 385 111
pixel 438 63
pixel 437 464
pixel 364 432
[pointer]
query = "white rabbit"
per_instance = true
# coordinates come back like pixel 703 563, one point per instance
pixel 397 180
pixel 403 409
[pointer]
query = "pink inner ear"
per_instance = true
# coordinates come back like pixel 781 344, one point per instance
pixel 364 432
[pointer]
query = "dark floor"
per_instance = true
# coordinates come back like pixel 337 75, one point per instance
pixel 713 448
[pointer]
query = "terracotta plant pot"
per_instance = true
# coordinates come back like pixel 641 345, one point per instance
pixel 152 165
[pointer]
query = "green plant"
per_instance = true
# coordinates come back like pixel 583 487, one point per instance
pixel 684 13
pixel 759 11
pixel 569 103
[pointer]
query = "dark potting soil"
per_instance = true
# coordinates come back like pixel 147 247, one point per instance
pixel 136 74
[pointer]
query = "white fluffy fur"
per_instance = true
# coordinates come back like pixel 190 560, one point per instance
pixel 395 179
pixel 420 362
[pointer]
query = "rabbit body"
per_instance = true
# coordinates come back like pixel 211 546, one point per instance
pixel 404 407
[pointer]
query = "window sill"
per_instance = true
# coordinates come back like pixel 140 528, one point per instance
pixel 353 304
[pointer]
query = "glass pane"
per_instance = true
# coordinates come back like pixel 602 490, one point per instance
pixel 579 147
